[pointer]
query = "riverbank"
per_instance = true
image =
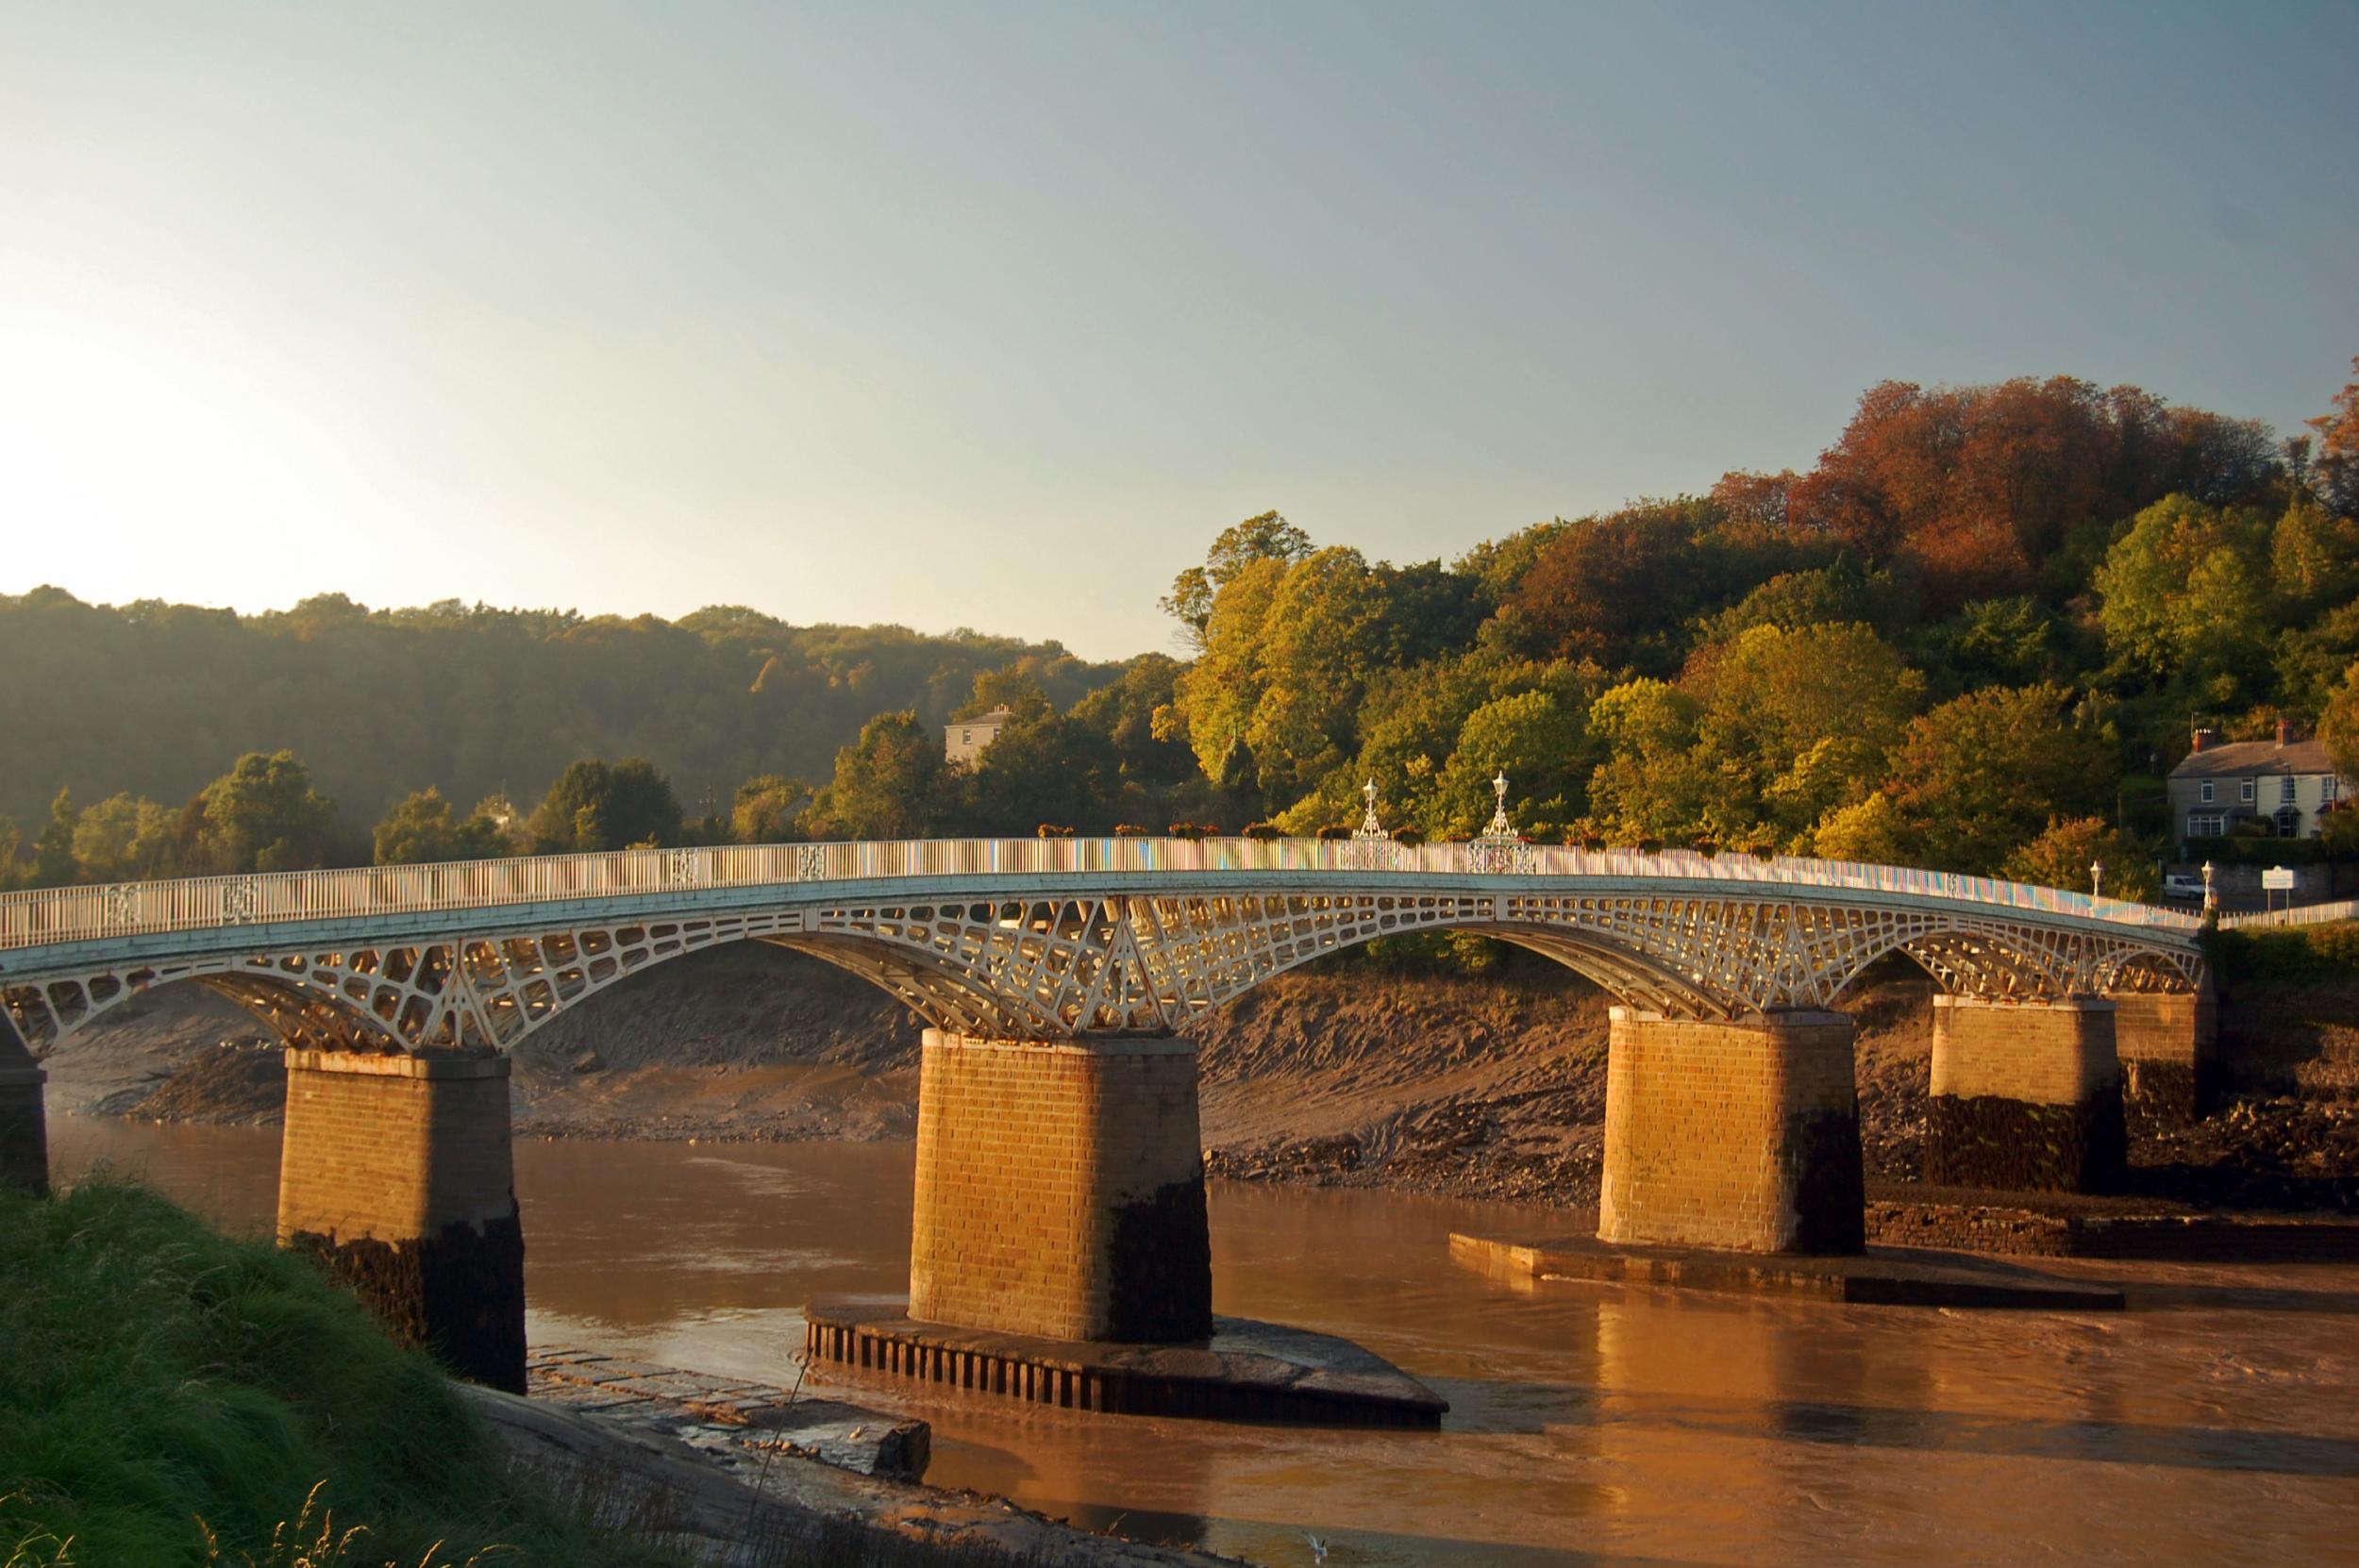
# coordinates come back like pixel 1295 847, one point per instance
pixel 175 1396
pixel 1486 1086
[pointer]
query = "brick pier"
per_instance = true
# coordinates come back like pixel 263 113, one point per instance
pixel 2026 1096
pixel 1061 1188
pixel 1741 1137
pixel 23 1124
pixel 2168 1043
pixel 396 1171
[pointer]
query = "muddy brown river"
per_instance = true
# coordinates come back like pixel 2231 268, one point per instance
pixel 2216 1420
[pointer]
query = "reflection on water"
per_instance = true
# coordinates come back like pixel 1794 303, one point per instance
pixel 2218 1419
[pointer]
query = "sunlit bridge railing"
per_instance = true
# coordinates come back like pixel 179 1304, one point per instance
pixel 83 913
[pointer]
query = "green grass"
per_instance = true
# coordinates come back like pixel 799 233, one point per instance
pixel 168 1395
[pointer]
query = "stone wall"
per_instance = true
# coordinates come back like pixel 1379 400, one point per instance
pixel 1736 1136
pixel 2026 1096
pixel 397 1172
pixel 1061 1188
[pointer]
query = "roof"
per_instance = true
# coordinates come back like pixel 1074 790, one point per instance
pixel 2240 758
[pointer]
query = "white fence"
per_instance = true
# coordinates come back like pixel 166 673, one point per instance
pixel 72 914
pixel 2306 914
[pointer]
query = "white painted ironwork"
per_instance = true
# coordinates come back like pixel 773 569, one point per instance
pixel 975 934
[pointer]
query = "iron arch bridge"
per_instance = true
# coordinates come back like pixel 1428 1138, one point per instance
pixel 1041 939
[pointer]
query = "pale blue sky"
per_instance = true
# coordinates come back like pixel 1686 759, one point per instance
pixel 993 316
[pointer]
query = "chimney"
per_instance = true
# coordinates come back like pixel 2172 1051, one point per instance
pixel 2284 733
pixel 2204 737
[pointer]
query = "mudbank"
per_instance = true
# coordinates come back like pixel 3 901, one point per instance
pixel 1344 1073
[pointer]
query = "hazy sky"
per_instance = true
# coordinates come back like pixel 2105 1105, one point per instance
pixel 994 315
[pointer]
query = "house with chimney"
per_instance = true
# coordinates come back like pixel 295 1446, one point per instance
pixel 965 740
pixel 2284 785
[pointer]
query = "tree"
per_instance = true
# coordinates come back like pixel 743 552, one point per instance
pixel 2186 594
pixel 263 815
pixel 1870 832
pixel 2339 448
pixel 53 852
pixel 1810 713
pixel 2339 724
pixel 1539 741
pixel 766 809
pixel 2314 558
pixel 121 839
pixel 889 784
pixel 1978 776
pixel 421 830
pixel 593 806
pixel 1264 537
pixel 2062 854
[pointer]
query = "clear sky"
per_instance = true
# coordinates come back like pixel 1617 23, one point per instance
pixel 994 315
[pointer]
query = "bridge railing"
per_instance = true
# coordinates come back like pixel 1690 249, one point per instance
pixel 2303 914
pixel 72 915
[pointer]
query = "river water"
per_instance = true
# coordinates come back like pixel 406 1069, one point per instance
pixel 2217 1421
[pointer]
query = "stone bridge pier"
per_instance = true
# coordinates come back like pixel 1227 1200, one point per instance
pixel 2026 1096
pixel 1061 1188
pixel 396 1171
pixel 23 1124
pixel 1737 1136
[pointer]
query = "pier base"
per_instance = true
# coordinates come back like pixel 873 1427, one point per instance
pixel 2168 1043
pixel 1244 1370
pixel 1061 1188
pixel 1742 1137
pixel 23 1124
pixel 2026 1096
pixel 396 1171
pixel 24 1129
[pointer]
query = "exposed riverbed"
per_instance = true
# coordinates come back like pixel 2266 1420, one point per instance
pixel 2218 1419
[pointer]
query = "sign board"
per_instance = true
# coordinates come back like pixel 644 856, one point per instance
pixel 2278 879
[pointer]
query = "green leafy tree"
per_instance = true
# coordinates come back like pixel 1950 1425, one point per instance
pixel 2065 850
pixel 889 784
pixel 1540 742
pixel 124 838
pixel 2339 724
pixel 54 866
pixel 1264 538
pixel 1982 774
pixel 768 810
pixel 593 806
pixel 264 815
pixel 1809 714
pixel 1870 832
pixel 1652 784
pixel 421 830
pixel 2186 594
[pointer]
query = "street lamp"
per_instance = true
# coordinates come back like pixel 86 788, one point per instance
pixel 2097 878
pixel 2211 898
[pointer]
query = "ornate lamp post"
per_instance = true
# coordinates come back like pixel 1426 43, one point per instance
pixel 2097 878
pixel 2211 898
pixel 1500 827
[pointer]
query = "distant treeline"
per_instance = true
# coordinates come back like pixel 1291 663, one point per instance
pixel 1971 636
pixel 157 699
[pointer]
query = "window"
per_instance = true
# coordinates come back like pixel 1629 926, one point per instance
pixel 2207 792
pixel 2243 789
pixel 2289 822
pixel 966 736
pixel 2331 787
pixel 2206 824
